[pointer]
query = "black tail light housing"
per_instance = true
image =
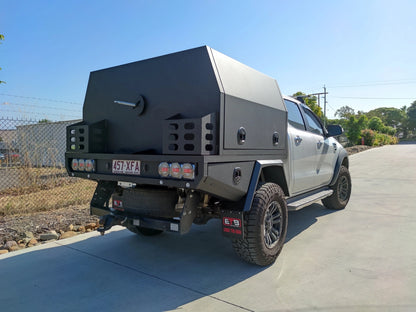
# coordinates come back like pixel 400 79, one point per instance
pixel 83 138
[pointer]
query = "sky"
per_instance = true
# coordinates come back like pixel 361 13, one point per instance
pixel 363 51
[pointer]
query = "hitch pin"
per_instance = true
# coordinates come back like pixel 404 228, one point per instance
pixel 126 103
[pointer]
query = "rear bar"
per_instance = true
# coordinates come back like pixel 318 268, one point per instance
pixel 149 169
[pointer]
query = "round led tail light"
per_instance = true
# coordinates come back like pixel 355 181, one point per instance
pixel 74 164
pixel 89 165
pixel 188 171
pixel 176 171
pixel 81 164
pixel 164 169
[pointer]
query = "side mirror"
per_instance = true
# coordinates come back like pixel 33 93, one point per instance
pixel 334 130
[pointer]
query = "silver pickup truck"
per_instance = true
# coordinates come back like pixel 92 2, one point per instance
pixel 192 136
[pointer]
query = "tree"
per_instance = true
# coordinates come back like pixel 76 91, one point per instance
pixel 390 116
pixel 342 122
pixel 376 124
pixel 352 126
pixel 389 130
pixel 345 112
pixel 44 121
pixel 411 116
pixel 1 38
pixel 355 126
pixel 311 102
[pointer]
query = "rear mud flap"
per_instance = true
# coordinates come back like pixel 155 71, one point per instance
pixel 102 195
pixel 189 212
pixel 232 224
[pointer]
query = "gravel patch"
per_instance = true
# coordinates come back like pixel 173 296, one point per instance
pixel 50 225
pixel 357 148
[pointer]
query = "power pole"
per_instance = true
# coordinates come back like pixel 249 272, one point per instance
pixel 325 93
pixel 301 97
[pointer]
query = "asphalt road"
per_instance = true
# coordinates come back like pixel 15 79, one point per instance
pixel 360 259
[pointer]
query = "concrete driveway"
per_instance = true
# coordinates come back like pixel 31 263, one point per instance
pixel 360 259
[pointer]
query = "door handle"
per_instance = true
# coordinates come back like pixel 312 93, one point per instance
pixel 319 144
pixel 298 140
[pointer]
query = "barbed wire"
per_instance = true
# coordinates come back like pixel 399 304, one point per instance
pixel 37 106
pixel 42 114
pixel 18 119
pixel 40 99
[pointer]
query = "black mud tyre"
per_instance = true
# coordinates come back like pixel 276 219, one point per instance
pixel 142 230
pixel 265 227
pixel 342 191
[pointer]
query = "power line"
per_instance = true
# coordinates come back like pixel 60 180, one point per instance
pixel 371 98
pixel 331 107
pixel 365 84
pixel 41 99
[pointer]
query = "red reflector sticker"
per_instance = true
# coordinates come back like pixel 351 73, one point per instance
pixel 118 205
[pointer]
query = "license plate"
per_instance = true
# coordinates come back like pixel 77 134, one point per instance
pixel 131 167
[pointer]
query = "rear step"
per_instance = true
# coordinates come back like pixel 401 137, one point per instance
pixel 301 201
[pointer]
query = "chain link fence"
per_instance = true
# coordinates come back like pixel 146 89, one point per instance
pixel 32 168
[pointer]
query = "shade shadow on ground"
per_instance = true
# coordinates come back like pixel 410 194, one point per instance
pixel 301 220
pixel 125 271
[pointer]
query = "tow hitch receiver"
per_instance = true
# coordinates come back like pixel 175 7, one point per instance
pixel 108 221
